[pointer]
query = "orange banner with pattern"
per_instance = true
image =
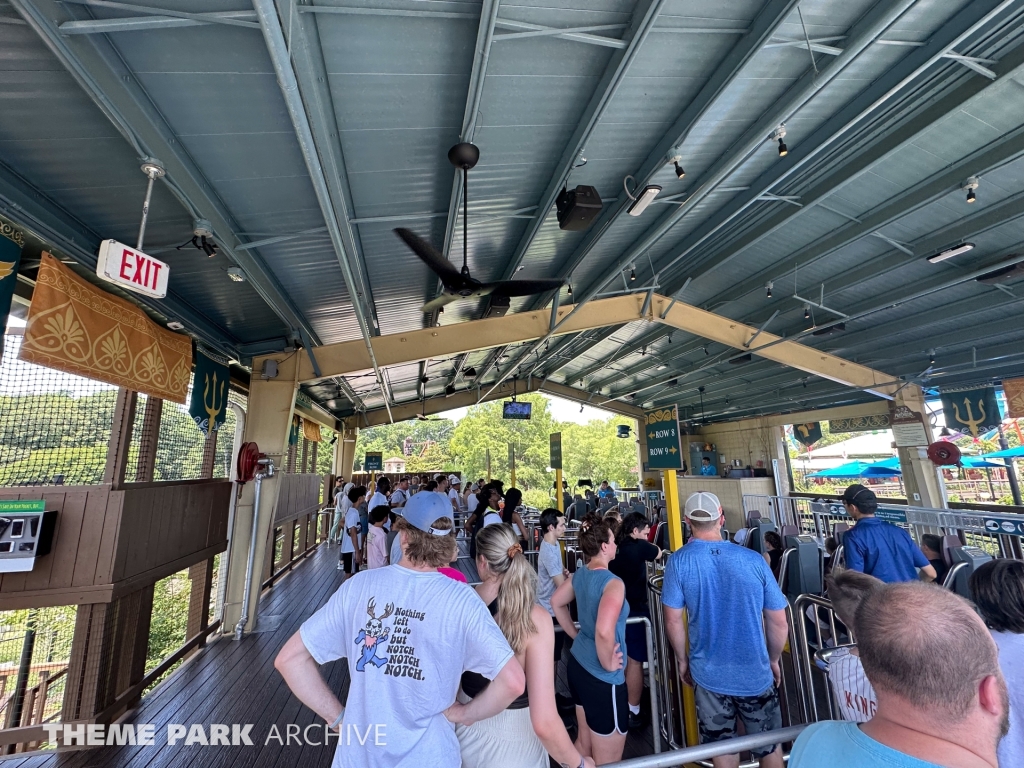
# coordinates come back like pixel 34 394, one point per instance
pixel 1014 391
pixel 76 327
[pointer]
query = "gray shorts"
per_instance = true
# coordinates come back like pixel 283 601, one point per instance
pixel 717 714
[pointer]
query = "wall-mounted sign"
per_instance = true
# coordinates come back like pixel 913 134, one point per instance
pixel 807 434
pixel 971 412
pixel 374 462
pixel 22 505
pixel 555 450
pixel 662 429
pixel 907 427
pixel 1014 391
pixel 132 270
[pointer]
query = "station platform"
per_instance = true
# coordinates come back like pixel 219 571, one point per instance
pixel 235 682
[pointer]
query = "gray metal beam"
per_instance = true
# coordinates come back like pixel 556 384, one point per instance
pixel 31 209
pixel 998 154
pixel 101 72
pixel 312 113
pixel 146 23
pixel 211 18
pixel 769 19
pixel 866 31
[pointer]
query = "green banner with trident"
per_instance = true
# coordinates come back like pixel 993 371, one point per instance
pixel 971 412
pixel 209 394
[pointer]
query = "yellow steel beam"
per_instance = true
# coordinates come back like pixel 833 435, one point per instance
pixel 394 349
pixel 792 353
pixel 468 397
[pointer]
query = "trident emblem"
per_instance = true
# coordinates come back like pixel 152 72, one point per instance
pixel 971 422
pixel 212 404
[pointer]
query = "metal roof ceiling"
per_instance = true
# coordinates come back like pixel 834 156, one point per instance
pixel 305 133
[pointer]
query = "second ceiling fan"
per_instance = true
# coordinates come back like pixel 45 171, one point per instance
pixel 459 284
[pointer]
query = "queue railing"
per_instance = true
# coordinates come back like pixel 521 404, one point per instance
pixel 1000 534
pixel 703 752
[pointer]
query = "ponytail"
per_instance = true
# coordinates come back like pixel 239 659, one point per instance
pixel 500 548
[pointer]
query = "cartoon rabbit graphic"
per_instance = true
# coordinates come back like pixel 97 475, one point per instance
pixel 373 635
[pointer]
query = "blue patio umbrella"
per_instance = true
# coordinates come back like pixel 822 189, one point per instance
pixel 854 469
pixel 1009 453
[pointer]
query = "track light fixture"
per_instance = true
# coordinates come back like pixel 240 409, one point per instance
pixel 632 274
pixel 236 274
pixel 931 357
pixel 674 157
pixel 769 285
pixel 705 350
pixel 970 185
pixel 778 135
pixel 949 253
pixel 570 289
pixel 641 200
pixel 680 173
pixel 807 311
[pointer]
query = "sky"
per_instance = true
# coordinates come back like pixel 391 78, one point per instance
pixel 561 410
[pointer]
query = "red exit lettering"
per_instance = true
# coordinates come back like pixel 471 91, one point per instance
pixel 143 271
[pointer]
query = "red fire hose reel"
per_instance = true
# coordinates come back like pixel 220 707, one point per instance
pixel 248 462
pixel 944 454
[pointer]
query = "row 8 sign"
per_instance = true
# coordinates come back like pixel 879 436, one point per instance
pixel 661 427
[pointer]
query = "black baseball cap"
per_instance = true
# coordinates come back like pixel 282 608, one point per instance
pixel 857 494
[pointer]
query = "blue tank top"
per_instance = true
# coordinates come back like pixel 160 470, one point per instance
pixel 589 587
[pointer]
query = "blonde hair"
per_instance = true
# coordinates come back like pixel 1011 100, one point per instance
pixel 426 548
pixel 499 546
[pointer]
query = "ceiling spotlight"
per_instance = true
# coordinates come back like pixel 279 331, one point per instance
pixel 970 185
pixel 680 173
pixel 643 351
pixel 236 274
pixel 449 390
pixel 570 289
pixel 632 274
pixel 783 149
pixel 931 357
pixel 642 200
pixel 949 253
pixel 424 379
pixel 778 135
pixel 634 396
pixel 705 350
pixel 769 285
pixel 469 372
pixel 440 310
pixel 807 311
pixel 670 338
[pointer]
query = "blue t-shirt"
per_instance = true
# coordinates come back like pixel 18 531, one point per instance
pixel 708 470
pixel 834 744
pixel 606 493
pixel 882 550
pixel 589 586
pixel 724 588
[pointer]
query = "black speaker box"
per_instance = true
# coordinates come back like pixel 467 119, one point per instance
pixel 577 208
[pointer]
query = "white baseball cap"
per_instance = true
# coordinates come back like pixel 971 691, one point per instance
pixel 703 507
pixel 454 480
pixel 424 508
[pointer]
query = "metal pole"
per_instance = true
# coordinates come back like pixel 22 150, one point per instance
pixel 268 471
pixel 24 669
pixel 154 170
pixel 1011 474
pixel 715 749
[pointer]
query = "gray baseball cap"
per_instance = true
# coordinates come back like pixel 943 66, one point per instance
pixel 424 508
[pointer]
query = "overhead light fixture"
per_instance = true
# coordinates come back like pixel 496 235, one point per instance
pixel 778 135
pixel 680 173
pixel 174 325
pixel 661 367
pixel 673 382
pixel 674 157
pixel 949 253
pixel 970 185
pixel 632 274
pixel 931 357
pixel 570 289
pixel 670 337
pixel 807 311
pixel 705 350
pixel 236 274
pixel 642 200
pixel 469 372
pixel 449 390
pixel 769 285
pixel 829 330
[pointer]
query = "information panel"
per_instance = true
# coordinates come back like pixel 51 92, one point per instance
pixel 662 429
pixel 556 450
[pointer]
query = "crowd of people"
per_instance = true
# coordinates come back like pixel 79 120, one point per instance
pixel 469 675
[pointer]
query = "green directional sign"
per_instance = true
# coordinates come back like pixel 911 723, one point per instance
pixel 661 427
pixel 22 505
pixel 374 461
pixel 556 450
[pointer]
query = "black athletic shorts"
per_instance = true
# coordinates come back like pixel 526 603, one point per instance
pixel 348 560
pixel 605 705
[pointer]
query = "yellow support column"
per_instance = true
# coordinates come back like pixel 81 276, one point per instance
pixel 675 541
pixel 558 490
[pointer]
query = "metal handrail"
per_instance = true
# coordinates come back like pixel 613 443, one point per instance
pixel 716 749
pixel 802 651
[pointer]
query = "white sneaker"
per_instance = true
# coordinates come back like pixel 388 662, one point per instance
pixel 340 566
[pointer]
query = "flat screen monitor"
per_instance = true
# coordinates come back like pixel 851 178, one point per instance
pixel 516 410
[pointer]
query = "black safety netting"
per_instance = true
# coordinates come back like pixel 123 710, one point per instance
pixel 54 426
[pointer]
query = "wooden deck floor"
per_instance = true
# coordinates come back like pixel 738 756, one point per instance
pixel 235 682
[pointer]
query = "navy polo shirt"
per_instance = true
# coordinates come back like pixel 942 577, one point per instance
pixel 882 550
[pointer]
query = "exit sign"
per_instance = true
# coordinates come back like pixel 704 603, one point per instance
pixel 132 270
